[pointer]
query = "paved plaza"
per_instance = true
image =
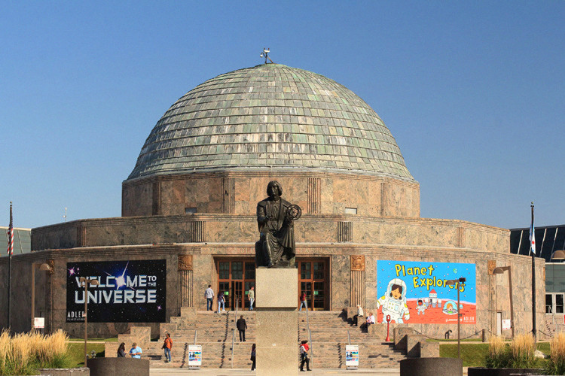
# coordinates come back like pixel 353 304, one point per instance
pixel 247 372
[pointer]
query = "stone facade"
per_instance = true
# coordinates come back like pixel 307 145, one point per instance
pixel 191 201
pixel 238 193
pixel 492 290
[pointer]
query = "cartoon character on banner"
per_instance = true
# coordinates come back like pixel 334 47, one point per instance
pixel 394 301
pixel 421 307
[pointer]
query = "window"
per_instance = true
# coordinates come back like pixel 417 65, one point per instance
pixel 548 304
pixel 190 210
pixel 554 303
pixel 559 303
pixel 350 211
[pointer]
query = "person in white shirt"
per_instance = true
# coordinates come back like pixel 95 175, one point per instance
pixel 370 320
pixel 209 294
pixel 358 315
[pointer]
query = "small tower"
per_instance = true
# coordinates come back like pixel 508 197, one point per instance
pixel 433 298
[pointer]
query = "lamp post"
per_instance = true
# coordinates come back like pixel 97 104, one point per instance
pixel 500 270
pixel 42 267
pixel 92 282
pixel 458 284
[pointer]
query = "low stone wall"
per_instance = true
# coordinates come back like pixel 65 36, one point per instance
pixel 431 366
pixel 141 335
pixel 415 345
pixel 475 371
pixel 64 372
pixel 118 366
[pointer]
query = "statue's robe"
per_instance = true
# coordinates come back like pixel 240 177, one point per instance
pixel 276 246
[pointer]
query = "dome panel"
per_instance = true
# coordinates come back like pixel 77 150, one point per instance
pixel 270 117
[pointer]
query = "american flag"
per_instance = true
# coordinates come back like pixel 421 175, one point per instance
pixel 532 234
pixel 11 234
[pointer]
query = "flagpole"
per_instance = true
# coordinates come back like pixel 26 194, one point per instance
pixel 533 251
pixel 10 243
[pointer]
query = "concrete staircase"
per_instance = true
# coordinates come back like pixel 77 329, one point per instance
pixel 215 332
pixel 330 332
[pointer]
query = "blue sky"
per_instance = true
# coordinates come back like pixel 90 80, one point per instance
pixel 473 92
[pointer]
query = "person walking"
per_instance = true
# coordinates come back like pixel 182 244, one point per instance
pixel 209 294
pixel 253 356
pixel 303 301
pixel 241 326
pixel 122 350
pixel 135 351
pixel 251 297
pixel 358 315
pixel 304 359
pixel 221 302
pixel 167 345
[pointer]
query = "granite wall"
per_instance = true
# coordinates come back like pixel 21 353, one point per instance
pixel 492 290
pixel 232 228
pixel 239 192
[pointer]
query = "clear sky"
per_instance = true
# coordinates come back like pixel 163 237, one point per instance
pixel 473 92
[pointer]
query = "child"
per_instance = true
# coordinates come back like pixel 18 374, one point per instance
pixel 304 359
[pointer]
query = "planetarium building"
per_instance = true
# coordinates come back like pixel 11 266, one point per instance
pixel 189 220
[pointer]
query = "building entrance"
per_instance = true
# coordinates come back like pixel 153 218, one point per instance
pixel 235 278
pixel 313 280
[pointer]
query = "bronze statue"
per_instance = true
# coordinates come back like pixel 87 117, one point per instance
pixel 275 217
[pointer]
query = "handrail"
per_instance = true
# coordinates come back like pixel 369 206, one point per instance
pixel 236 305
pixel 348 338
pixel 232 345
pixel 195 333
pixel 307 317
pixel 311 347
pixel 309 333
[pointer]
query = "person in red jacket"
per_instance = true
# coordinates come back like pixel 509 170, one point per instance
pixel 303 301
pixel 304 359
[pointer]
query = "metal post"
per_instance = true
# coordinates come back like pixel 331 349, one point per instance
pixel 10 250
pixel 533 279
pixel 9 286
pixel 32 296
pixel 348 338
pixel 85 319
pixel 511 303
pixel 94 282
pixel 534 297
pixel 51 302
pixel 458 321
pixel 195 332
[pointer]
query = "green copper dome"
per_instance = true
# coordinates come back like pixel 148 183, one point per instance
pixel 270 117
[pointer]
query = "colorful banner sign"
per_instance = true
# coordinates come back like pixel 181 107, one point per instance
pixel 127 291
pixel 194 355
pixel 351 356
pixel 419 292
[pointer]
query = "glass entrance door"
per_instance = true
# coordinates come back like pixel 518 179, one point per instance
pixel 235 278
pixel 312 281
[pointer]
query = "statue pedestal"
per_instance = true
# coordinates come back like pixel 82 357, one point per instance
pixel 277 321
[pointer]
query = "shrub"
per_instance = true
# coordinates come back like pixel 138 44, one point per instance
pixel 520 353
pixel 24 353
pixel 497 353
pixel 556 364
pixel 523 349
